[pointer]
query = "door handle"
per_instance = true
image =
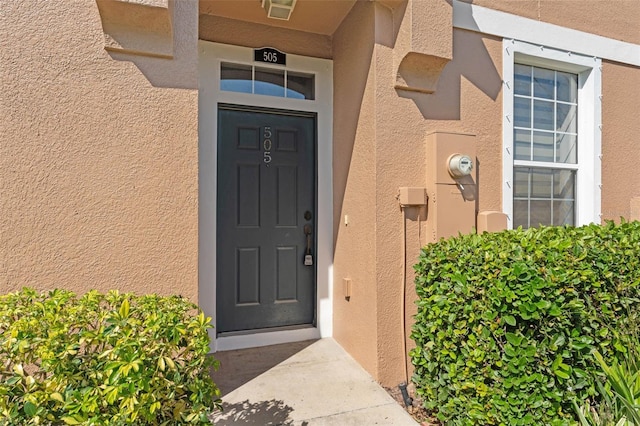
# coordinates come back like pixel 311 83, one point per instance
pixel 308 257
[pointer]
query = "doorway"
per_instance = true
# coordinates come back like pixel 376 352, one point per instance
pixel 265 218
pixel 219 104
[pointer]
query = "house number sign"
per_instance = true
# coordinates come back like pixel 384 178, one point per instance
pixel 267 144
pixel 270 56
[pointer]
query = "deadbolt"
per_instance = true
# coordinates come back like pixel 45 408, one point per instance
pixel 307 215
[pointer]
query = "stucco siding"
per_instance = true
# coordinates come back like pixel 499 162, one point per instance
pixel 98 167
pixel 354 169
pixel 231 31
pixel 620 130
pixel 468 99
pixel 99 148
pixel 605 18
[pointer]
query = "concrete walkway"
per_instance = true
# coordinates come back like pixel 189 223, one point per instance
pixel 311 383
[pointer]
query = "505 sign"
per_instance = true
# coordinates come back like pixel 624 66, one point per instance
pixel 270 56
pixel 267 145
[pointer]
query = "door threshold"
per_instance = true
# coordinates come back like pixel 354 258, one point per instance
pixel 265 337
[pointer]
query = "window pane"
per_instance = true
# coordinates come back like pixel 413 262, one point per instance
pixel 543 146
pixel 567 86
pixel 545 131
pixel 522 144
pixel 300 86
pixel 522 76
pixel 235 78
pixel 521 182
pixel 564 184
pixel 522 112
pixel 566 151
pixel 542 115
pixel 521 213
pixel 543 197
pixel 543 83
pixel 563 213
pixel 540 212
pixel 541 180
pixel 269 82
pixel 567 116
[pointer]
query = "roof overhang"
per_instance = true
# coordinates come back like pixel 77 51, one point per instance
pixel 313 16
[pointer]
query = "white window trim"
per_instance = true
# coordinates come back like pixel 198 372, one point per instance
pixel 589 71
pixel 480 19
pixel 209 96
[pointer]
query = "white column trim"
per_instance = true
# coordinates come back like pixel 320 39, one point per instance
pixel 508 60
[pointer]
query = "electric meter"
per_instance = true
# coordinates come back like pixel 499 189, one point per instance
pixel 460 165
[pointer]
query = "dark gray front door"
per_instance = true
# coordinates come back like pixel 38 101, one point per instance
pixel 266 197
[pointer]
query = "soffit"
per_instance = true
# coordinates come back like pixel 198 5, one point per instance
pixel 314 16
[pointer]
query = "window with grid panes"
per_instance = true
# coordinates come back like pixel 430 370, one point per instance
pixel 545 146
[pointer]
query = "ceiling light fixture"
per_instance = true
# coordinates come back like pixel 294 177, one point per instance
pixel 279 9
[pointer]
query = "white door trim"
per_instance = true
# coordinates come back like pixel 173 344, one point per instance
pixel 210 95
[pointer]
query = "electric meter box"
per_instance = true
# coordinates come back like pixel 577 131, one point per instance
pixel 451 185
pixel 412 196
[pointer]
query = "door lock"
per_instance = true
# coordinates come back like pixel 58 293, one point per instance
pixel 308 257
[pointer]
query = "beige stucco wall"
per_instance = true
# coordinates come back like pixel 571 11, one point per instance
pixel 620 147
pixel 98 154
pixel 231 31
pixel 466 101
pixel 613 18
pixel 98 160
pixel 354 174
pixel 384 150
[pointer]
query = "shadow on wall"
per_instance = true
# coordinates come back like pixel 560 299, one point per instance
pixel 273 412
pixel 154 39
pixel 353 45
pixel 472 61
pixel 163 73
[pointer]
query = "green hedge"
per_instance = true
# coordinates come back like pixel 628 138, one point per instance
pixel 507 322
pixel 101 359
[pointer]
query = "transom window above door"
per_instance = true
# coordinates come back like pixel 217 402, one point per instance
pixel 266 81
